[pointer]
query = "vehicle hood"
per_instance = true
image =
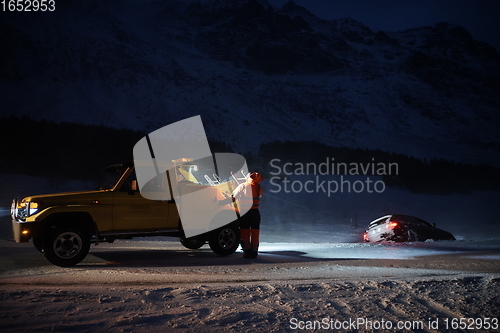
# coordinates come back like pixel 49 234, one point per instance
pixel 63 195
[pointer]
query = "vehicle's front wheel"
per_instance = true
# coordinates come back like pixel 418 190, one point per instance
pixel 224 241
pixel 66 247
pixel 38 243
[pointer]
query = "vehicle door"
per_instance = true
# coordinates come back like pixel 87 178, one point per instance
pixel 421 228
pixel 131 211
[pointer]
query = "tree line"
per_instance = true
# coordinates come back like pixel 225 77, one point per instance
pixel 66 150
pixel 77 151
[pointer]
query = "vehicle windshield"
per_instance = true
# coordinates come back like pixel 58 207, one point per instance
pixel 112 177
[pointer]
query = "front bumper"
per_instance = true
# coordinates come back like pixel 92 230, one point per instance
pixel 22 231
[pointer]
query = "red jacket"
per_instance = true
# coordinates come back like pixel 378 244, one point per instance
pixel 248 194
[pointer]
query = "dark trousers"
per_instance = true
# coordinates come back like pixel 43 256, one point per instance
pixel 250 220
pixel 250 230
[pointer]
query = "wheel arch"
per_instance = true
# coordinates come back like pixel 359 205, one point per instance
pixel 227 215
pixel 224 215
pixel 80 220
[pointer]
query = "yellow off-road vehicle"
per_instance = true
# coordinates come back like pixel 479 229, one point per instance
pixel 64 225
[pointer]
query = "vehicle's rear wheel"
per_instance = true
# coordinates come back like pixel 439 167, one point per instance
pixel 224 241
pixel 66 247
pixel 193 243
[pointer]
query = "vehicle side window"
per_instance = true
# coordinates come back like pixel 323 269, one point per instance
pixel 417 222
pixel 127 185
pixel 402 219
pixel 422 222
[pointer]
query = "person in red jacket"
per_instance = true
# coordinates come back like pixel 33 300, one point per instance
pixel 247 196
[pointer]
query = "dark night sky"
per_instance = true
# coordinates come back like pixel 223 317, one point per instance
pixel 480 17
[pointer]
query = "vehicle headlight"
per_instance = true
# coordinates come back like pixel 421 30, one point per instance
pixel 33 207
pixel 18 210
pixel 29 208
pixel 21 208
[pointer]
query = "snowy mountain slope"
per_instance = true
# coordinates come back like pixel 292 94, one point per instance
pixel 256 74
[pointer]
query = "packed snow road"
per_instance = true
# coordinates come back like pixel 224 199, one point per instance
pixel 159 261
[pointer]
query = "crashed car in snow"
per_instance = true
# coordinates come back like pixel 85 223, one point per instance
pixel 403 228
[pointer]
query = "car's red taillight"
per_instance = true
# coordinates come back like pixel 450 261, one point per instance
pixel 393 224
pixel 365 237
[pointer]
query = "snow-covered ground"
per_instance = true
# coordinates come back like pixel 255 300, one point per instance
pixel 421 305
pixel 147 286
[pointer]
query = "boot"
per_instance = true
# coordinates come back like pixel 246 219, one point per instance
pixel 245 242
pixel 254 244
